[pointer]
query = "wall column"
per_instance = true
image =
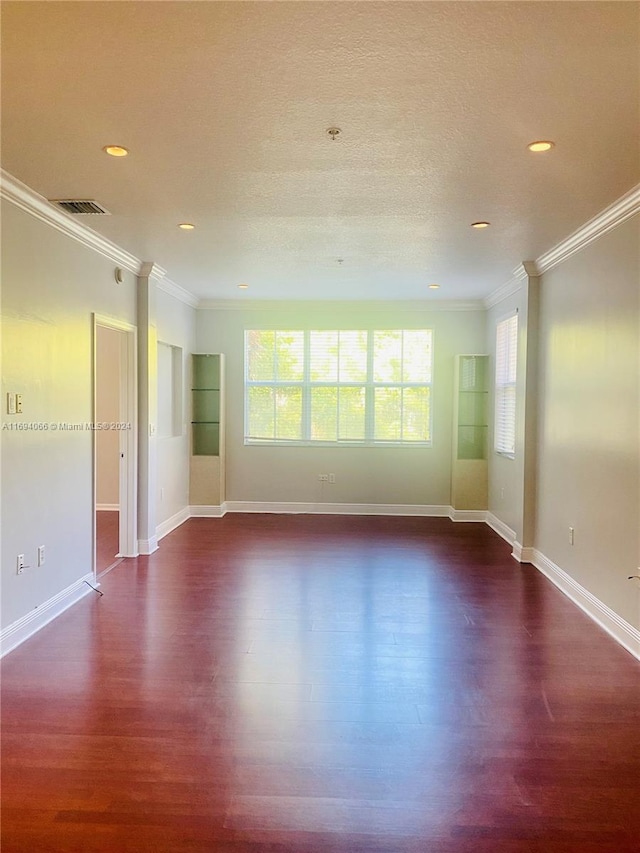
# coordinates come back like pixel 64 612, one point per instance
pixel 526 410
pixel 149 275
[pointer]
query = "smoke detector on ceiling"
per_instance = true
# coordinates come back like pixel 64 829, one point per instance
pixel 80 206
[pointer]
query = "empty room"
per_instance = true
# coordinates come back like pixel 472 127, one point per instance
pixel 320 438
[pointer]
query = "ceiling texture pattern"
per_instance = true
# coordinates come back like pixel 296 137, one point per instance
pixel 224 107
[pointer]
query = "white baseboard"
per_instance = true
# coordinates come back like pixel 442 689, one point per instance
pixel 213 511
pixel 108 507
pixel 337 508
pixel 614 625
pixel 522 553
pixel 147 546
pixel 171 523
pixel 501 528
pixel 467 514
pixel 20 630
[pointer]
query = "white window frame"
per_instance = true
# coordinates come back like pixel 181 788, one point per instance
pixel 306 384
pixel 505 385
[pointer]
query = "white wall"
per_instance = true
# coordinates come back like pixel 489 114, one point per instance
pixel 363 475
pixel 51 286
pixel 176 324
pixel 588 424
pixel 107 411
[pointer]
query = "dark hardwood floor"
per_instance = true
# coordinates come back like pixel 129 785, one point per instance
pixel 107 539
pixel 322 684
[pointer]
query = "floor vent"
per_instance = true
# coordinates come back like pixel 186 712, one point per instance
pixel 80 206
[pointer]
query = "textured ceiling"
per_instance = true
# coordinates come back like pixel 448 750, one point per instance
pixel 224 107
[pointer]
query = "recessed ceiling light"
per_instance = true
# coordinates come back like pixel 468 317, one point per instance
pixel 243 286
pixel 186 226
pixel 434 287
pixel 480 224
pixel 116 150
pixel 542 145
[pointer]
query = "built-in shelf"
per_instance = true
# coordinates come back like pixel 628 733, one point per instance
pixel 470 432
pixel 207 430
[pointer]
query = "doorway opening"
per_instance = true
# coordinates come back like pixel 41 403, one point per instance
pixel 114 443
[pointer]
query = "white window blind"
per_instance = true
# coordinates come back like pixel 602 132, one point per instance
pixel 355 386
pixel 505 391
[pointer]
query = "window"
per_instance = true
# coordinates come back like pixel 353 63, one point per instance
pixel 365 387
pixel 506 365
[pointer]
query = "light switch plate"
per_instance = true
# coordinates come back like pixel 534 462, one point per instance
pixel 11 403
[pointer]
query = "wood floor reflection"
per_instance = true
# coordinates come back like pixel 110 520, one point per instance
pixel 322 684
pixel 107 539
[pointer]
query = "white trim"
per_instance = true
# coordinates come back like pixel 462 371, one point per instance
pixel 502 292
pixel 336 508
pixel 108 507
pixel 214 511
pixel 179 293
pixel 527 269
pixel 522 553
pixel 424 307
pixel 467 514
pixel 149 269
pixel 169 524
pixel 614 625
pixel 501 528
pixel 147 546
pixel 20 630
pixel 128 439
pixel 618 212
pixel 33 203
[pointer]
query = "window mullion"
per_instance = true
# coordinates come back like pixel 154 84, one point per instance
pixel 306 386
pixel 369 395
pixel 402 386
pixel 338 390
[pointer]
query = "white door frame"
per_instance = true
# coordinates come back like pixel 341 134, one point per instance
pixel 128 448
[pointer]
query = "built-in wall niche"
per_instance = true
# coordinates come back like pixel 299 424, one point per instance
pixel 469 466
pixel 170 391
pixel 207 469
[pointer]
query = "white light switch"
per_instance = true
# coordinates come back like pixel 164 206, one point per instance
pixel 11 403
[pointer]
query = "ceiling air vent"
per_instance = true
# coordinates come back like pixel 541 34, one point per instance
pixel 80 206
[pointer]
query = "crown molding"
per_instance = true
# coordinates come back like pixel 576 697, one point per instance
pixel 179 293
pixel 149 269
pixel 527 269
pixel 297 305
pixel 503 292
pixel 617 213
pixel 22 196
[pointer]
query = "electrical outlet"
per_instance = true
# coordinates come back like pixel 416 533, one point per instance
pixel 41 555
pixel 20 566
pixel 571 535
pixel 332 478
pixel 19 404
